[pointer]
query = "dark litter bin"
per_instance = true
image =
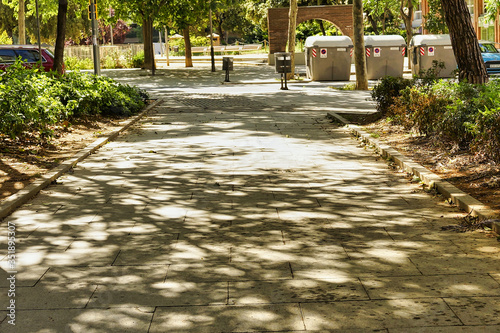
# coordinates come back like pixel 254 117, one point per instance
pixel 385 56
pixel 227 65
pixel 425 49
pixel 328 58
pixel 283 64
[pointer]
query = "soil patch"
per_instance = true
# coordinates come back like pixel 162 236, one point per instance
pixel 473 174
pixel 21 162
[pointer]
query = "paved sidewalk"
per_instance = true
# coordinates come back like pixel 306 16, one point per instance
pixel 243 209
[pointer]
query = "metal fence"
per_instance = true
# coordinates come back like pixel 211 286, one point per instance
pixel 85 51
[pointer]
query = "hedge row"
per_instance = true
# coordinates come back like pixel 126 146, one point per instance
pixel 32 101
pixel 461 113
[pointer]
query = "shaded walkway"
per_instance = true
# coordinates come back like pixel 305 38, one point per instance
pixel 239 214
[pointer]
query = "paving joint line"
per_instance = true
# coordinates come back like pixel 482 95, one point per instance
pixel 463 200
pixel 11 203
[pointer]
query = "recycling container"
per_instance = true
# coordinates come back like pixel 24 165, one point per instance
pixel 328 58
pixel 425 49
pixel 384 56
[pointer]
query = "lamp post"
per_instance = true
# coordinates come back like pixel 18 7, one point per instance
pixel 212 55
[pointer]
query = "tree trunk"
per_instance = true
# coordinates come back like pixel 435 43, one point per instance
pixel 292 26
pixel 187 43
pixel 21 22
pixel 373 24
pixel 60 37
pixel 407 19
pixel 147 32
pixel 321 27
pixel 359 46
pixel 471 67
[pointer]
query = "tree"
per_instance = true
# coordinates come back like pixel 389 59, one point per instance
pixel 359 46
pixel 60 38
pixel 492 9
pixel 292 26
pixel 406 12
pixel 471 67
pixel 22 22
pixel 434 21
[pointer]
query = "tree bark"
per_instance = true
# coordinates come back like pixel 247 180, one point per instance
pixel 60 37
pixel 187 43
pixel 292 26
pixel 471 67
pixel 147 32
pixel 359 46
pixel 407 18
pixel 21 22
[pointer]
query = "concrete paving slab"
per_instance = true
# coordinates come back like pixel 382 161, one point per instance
pixel 25 276
pixel 431 286
pixel 331 269
pixel 121 275
pixel 81 321
pixel 295 291
pixel 237 271
pixel 455 264
pixel 278 317
pixel 395 314
pixel 165 293
pixel 448 329
pixel 51 296
pixel 476 310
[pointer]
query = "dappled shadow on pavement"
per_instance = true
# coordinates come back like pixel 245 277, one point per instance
pixel 239 219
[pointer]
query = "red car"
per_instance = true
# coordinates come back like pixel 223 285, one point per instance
pixel 29 53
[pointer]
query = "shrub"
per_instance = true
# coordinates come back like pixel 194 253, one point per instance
pixel 31 101
pixel 74 63
pixel 138 60
pixel 387 90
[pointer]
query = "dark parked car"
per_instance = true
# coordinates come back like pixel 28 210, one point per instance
pixel 29 53
pixel 491 57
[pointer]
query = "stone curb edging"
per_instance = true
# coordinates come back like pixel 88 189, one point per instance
pixel 21 197
pixel 458 197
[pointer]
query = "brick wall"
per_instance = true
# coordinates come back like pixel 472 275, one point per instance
pixel 277 20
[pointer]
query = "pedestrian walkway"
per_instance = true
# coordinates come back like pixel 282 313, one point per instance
pixel 243 209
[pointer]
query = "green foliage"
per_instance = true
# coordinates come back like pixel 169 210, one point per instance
pixel 4 38
pixel 461 113
pixel 75 63
pixel 138 60
pixel 434 21
pixel 32 101
pixel 387 90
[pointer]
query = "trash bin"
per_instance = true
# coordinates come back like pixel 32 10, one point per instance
pixel 283 62
pixel 424 49
pixel 384 56
pixel 328 58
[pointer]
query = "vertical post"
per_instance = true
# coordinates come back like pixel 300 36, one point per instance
pixel 38 32
pixel 212 55
pixel 167 47
pixel 95 44
pixel 161 46
pixel 111 25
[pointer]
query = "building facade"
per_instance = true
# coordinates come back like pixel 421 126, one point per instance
pixel 485 30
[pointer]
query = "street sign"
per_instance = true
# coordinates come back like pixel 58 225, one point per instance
pixel 323 53
pixel 376 52
pixel 430 51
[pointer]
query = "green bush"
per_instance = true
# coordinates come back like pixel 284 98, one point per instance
pixel 460 113
pixel 31 101
pixel 387 90
pixel 74 63
pixel 138 60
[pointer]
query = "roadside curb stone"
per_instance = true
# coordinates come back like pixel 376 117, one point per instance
pixel 21 197
pixel 458 197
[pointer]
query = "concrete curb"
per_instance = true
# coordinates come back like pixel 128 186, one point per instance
pixel 458 197
pixel 21 197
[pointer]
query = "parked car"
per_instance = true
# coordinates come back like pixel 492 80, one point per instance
pixel 29 53
pixel 491 57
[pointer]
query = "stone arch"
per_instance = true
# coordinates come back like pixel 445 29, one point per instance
pixel 277 20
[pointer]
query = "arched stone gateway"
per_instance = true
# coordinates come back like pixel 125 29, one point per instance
pixel 277 19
